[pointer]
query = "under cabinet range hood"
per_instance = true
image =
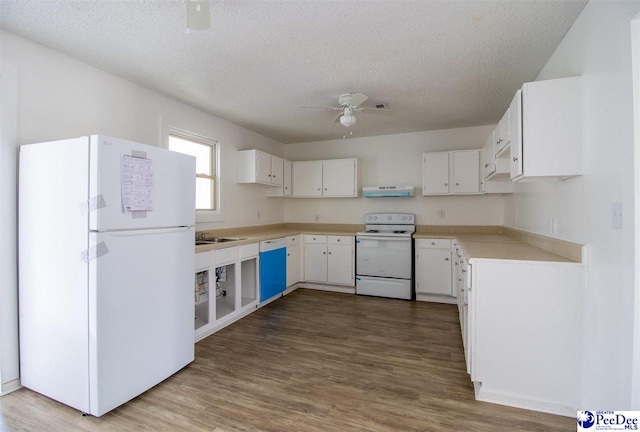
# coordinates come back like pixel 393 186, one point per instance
pixel 387 191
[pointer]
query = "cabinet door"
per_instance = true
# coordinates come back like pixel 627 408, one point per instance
pixel 433 271
pixel 277 170
pixel 435 173
pixel 340 264
pixel 502 132
pixel 286 176
pixel 263 167
pixel 339 177
pixel 315 263
pixel 488 157
pixel 515 125
pixel 466 171
pixel 293 265
pixel 307 178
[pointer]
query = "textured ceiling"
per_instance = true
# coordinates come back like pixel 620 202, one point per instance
pixel 439 64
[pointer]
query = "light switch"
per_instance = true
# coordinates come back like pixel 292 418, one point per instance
pixel 616 215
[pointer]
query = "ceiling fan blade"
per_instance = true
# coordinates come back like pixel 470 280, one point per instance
pixel 378 111
pixel 358 99
pixel 320 107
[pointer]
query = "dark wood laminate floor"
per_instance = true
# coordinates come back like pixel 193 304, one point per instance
pixel 311 361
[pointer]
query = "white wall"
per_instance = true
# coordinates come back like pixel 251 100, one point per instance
pixel 9 359
pixel 598 48
pixel 393 160
pixel 59 97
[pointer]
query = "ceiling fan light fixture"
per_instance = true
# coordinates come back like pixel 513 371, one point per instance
pixel 198 14
pixel 347 119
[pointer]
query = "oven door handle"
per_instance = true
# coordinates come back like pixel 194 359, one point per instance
pixel 383 238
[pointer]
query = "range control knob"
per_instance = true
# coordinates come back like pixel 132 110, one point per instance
pixel 368 217
pixel 404 218
pixel 388 217
pixel 375 218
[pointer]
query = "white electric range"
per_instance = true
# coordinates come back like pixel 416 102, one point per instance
pixel 384 256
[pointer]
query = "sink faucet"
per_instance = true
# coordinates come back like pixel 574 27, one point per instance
pixel 200 235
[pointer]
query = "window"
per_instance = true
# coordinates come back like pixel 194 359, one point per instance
pixel 204 150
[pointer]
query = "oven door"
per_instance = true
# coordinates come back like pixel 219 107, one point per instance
pixel 383 256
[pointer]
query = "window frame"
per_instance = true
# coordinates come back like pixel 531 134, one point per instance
pixel 204 215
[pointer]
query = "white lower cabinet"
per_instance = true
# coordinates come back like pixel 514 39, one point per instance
pixel 293 260
pixel 329 259
pixel 226 287
pixel 433 270
pixel 524 344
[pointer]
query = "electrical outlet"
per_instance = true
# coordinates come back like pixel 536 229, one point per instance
pixel 553 225
pixel 441 213
pixel 317 218
pixel 258 214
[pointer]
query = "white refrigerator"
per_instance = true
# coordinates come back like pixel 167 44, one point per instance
pixel 106 258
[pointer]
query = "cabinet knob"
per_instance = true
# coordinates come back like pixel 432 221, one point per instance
pixel 446 184
pixel 324 253
pixel 269 175
pixel 457 184
pixel 329 253
pixel 433 243
pixel 319 189
pixel 288 254
pixel 446 259
pixel 325 188
pixel 486 165
pixel 515 159
pixel 338 239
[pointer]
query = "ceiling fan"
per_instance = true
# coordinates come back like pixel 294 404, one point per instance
pixel 349 103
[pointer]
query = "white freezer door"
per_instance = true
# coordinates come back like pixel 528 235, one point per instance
pixel 140 312
pixel 172 187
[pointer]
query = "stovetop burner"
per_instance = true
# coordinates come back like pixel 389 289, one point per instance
pixel 399 232
pixel 373 231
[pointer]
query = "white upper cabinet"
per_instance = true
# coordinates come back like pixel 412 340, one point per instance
pixel 255 166
pixel 488 157
pixel 502 135
pixel 306 178
pixel 435 173
pixel 285 188
pixel 277 171
pixel 466 171
pixel 446 173
pixel 339 177
pixel 328 178
pixel 548 144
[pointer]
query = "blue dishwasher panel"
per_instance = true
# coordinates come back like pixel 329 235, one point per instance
pixel 273 273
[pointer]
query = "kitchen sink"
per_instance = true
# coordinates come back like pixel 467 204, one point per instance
pixel 216 240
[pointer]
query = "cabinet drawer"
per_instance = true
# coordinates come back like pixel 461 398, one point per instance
pixel 226 255
pixel 340 240
pixel 249 250
pixel 203 260
pixel 310 238
pixel 293 240
pixel 433 243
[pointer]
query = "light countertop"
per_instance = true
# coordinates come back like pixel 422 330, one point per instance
pixel 483 244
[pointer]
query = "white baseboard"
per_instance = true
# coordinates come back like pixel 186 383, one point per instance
pixel 518 400
pixel 291 289
pixel 434 298
pixel 333 288
pixel 10 387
